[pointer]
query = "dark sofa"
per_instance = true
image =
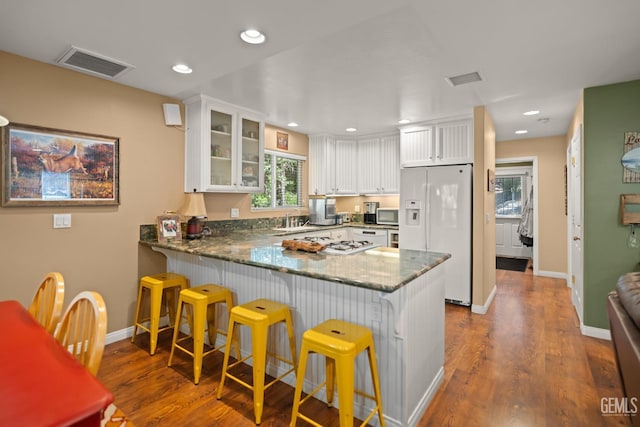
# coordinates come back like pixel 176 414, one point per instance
pixel 623 309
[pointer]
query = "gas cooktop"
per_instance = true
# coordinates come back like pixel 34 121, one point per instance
pixel 341 247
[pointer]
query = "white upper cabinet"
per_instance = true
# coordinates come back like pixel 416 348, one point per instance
pixel 455 142
pixel 379 165
pixel 332 165
pixel 354 166
pixel 224 147
pixel 437 143
pixel 346 171
pixel 321 165
pixel 417 146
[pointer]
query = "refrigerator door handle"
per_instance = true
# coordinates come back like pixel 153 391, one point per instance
pixel 427 217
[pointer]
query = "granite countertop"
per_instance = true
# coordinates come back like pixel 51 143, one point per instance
pixel 383 269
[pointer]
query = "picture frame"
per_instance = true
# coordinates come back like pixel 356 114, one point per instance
pixel 282 140
pixel 53 167
pixel 169 228
pixel 491 180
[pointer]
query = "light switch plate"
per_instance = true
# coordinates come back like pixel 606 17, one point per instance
pixel 235 212
pixel 61 220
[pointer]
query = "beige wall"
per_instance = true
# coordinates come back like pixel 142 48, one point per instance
pixel 484 231
pixel 100 251
pixel 552 221
pixel 348 204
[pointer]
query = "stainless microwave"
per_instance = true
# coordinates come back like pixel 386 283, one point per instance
pixel 387 216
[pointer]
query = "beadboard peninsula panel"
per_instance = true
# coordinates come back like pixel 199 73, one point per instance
pixel 407 325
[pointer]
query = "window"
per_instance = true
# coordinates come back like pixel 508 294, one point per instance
pixel 283 174
pixel 509 195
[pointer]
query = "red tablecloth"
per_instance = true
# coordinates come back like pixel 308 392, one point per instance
pixel 41 384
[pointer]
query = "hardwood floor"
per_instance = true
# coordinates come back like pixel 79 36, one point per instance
pixel 524 363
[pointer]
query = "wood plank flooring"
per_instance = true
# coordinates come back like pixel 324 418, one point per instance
pixel 524 363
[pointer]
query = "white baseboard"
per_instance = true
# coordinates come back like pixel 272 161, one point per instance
pixel 590 331
pixel 482 309
pixel 118 335
pixel 554 274
pixel 425 400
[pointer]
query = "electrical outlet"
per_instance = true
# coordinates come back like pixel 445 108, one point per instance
pixel 61 220
pixel 356 208
pixel 235 212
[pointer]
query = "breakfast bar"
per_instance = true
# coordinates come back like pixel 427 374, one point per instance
pixel 398 294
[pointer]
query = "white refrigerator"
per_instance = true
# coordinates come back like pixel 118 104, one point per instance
pixel 435 215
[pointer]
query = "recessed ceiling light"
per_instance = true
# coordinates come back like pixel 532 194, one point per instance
pixel 182 69
pixel 531 113
pixel 351 129
pixel 252 36
pixel 403 121
pixel 522 131
pixel 293 125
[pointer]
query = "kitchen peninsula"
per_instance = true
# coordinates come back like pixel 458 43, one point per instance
pixel 398 294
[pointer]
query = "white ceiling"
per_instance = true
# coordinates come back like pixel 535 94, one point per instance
pixel 332 64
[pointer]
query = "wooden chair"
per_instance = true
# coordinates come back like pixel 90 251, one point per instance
pixel 48 301
pixel 83 329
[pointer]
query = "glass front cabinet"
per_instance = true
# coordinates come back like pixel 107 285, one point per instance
pixel 224 147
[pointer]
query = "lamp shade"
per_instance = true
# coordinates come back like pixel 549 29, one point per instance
pixel 194 205
pixel 3 121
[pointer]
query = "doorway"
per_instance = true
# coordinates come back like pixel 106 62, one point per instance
pixel 518 179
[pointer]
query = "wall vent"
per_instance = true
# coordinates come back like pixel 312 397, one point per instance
pixel 93 63
pixel 463 79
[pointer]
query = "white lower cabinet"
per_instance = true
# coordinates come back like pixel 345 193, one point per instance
pixel 374 235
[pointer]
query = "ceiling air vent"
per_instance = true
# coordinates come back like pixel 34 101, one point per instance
pixel 93 63
pixel 464 79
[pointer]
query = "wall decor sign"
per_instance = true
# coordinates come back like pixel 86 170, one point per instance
pixel 491 180
pixel 53 167
pixel 631 158
pixel 282 141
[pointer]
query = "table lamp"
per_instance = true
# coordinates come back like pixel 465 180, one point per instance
pixel 194 207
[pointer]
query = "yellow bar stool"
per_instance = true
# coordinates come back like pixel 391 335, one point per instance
pixel 157 285
pixel 258 315
pixel 203 300
pixel 340 342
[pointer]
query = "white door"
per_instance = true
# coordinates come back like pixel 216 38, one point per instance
pixel 574 201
